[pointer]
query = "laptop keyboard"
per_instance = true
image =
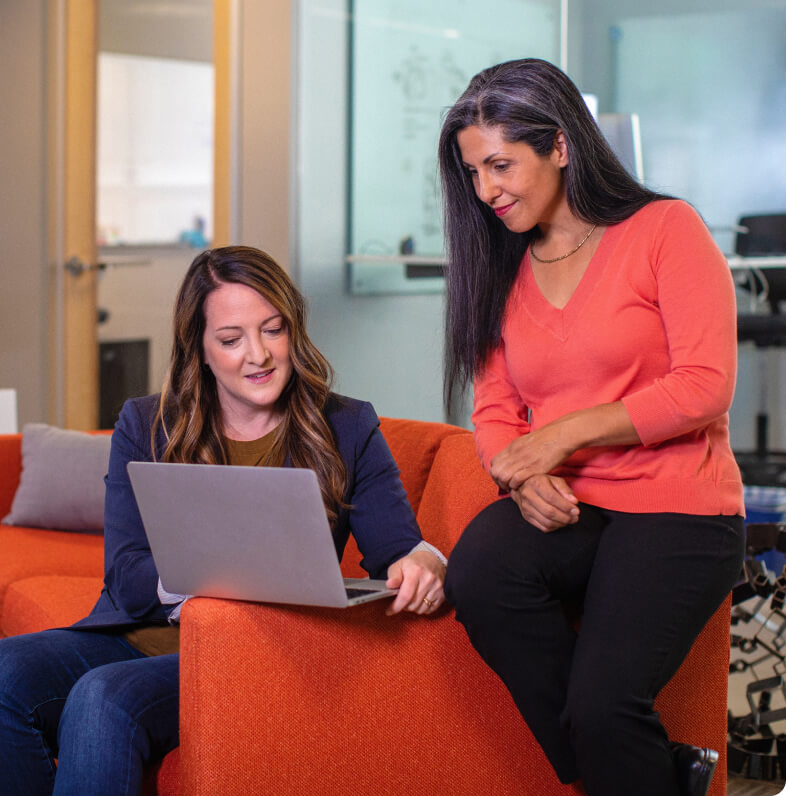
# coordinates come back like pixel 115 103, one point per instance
pixel 352 593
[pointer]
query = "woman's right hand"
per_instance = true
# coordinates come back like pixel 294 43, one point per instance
pixel 547 502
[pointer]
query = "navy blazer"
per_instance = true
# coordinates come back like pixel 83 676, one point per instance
pixel 380 517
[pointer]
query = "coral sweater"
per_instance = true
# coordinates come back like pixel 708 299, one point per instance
pixel 652 323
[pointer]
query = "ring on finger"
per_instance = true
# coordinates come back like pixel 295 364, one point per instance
pixel 428 602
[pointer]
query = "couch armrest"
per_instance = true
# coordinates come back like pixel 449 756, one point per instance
pixel 296 700
pixel 286 700
pixel 693 705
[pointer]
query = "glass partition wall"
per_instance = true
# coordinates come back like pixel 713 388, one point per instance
pixel 374 78
pixel 408 62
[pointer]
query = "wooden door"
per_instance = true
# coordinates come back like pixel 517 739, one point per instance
pixel 74 388
pixel 225 59
pixel 72 203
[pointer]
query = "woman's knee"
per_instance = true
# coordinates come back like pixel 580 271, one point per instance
pixel 124 697
pixel 472 563
pixel 93 697
pixel 460 571
pixel 96 709
pixel 497 562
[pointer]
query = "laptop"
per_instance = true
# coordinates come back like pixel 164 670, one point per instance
pixel 244 533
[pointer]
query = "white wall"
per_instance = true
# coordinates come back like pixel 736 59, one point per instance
pixel 24 320
pixel 266 136
pixel 386 349
pixel 138 290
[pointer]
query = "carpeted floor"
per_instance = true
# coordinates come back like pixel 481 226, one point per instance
pixel 756 620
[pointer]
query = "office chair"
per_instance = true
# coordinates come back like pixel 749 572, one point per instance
pixel 763 236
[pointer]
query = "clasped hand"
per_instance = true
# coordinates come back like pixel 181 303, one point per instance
pixel 524 468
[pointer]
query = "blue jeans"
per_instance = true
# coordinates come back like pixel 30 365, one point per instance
pixel 92 701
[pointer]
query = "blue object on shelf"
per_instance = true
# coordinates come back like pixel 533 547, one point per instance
pixel 767 504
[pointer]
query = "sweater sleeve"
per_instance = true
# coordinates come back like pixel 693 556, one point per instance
pixel 695 294
pixel 499 415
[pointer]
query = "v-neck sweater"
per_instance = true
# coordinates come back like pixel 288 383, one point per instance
pixel 652 323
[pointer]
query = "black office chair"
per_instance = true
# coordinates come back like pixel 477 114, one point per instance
pixel 763 236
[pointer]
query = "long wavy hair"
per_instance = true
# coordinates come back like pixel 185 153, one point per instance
pixel 531 101
pixel 189 412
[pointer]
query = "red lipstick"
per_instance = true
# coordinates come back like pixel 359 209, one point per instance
pixel 500 211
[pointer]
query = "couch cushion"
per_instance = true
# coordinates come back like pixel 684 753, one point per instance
pixel 45 601
pixel 456 490
pixel 163 778
pixel 62 481
pixel 26 552
pixel 414 444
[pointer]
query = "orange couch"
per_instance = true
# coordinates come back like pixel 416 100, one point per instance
pixel 47 578
pixel 296 700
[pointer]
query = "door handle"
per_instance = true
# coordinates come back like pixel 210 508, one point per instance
pixel 76 267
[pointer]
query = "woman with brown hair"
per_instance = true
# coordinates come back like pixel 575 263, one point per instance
pixel 246 386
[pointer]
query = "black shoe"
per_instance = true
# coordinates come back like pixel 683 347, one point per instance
pixel 695 767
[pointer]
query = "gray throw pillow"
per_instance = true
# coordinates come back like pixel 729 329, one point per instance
pixel 62 481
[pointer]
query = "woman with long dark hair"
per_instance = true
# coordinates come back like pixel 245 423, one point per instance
pixel 245 386
pixel 596 321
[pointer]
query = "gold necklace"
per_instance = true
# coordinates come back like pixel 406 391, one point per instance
pixel 572 251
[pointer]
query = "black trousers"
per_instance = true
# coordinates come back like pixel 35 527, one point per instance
pixel 648 582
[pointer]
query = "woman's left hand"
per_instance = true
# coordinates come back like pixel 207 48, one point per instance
pixel 531 454
pixel 542 451
pixel 418 577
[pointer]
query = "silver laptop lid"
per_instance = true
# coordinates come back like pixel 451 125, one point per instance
pixel 244 533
